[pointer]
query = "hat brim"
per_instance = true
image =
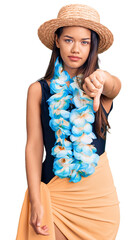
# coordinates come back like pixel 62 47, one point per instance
pixel 47 29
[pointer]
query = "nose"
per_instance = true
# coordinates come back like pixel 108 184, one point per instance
pixel 75 47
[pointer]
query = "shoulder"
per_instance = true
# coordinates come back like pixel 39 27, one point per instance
pixel 107 103
pixel 35 92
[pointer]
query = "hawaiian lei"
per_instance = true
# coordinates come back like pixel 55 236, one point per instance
pixel 78 157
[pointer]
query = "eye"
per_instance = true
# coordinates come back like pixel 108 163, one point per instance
pixel 67 40
pixel 85 42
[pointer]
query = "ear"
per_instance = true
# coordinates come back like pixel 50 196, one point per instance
pixel 56 41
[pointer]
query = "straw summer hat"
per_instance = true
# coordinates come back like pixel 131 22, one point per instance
pixel 76 15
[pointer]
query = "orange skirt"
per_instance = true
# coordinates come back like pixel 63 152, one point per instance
pixel 86 210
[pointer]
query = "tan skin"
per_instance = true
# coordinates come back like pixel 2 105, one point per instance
pixel 104 83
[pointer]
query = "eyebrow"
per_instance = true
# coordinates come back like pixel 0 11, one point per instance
pixel 72 37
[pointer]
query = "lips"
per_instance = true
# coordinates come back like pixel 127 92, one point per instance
pixel 74 58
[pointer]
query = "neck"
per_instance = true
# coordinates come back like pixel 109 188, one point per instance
pixel 71 71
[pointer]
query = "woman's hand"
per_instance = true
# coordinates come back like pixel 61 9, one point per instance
pixel 94 89
pixel 36 217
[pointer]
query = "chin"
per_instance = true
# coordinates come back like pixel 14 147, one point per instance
pixel 74 64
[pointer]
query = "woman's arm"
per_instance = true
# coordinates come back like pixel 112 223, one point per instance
pixel 111 88
pixel 112 85
pixel 34 145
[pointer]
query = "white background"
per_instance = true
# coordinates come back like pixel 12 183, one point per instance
pixel 24 60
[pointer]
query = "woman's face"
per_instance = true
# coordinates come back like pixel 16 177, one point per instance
pixel 74 41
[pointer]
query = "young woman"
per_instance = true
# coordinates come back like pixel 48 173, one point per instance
pixel 72 194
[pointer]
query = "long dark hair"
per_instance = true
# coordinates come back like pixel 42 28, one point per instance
pixel 91 64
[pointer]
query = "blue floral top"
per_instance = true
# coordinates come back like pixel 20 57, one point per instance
pixel 49 134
